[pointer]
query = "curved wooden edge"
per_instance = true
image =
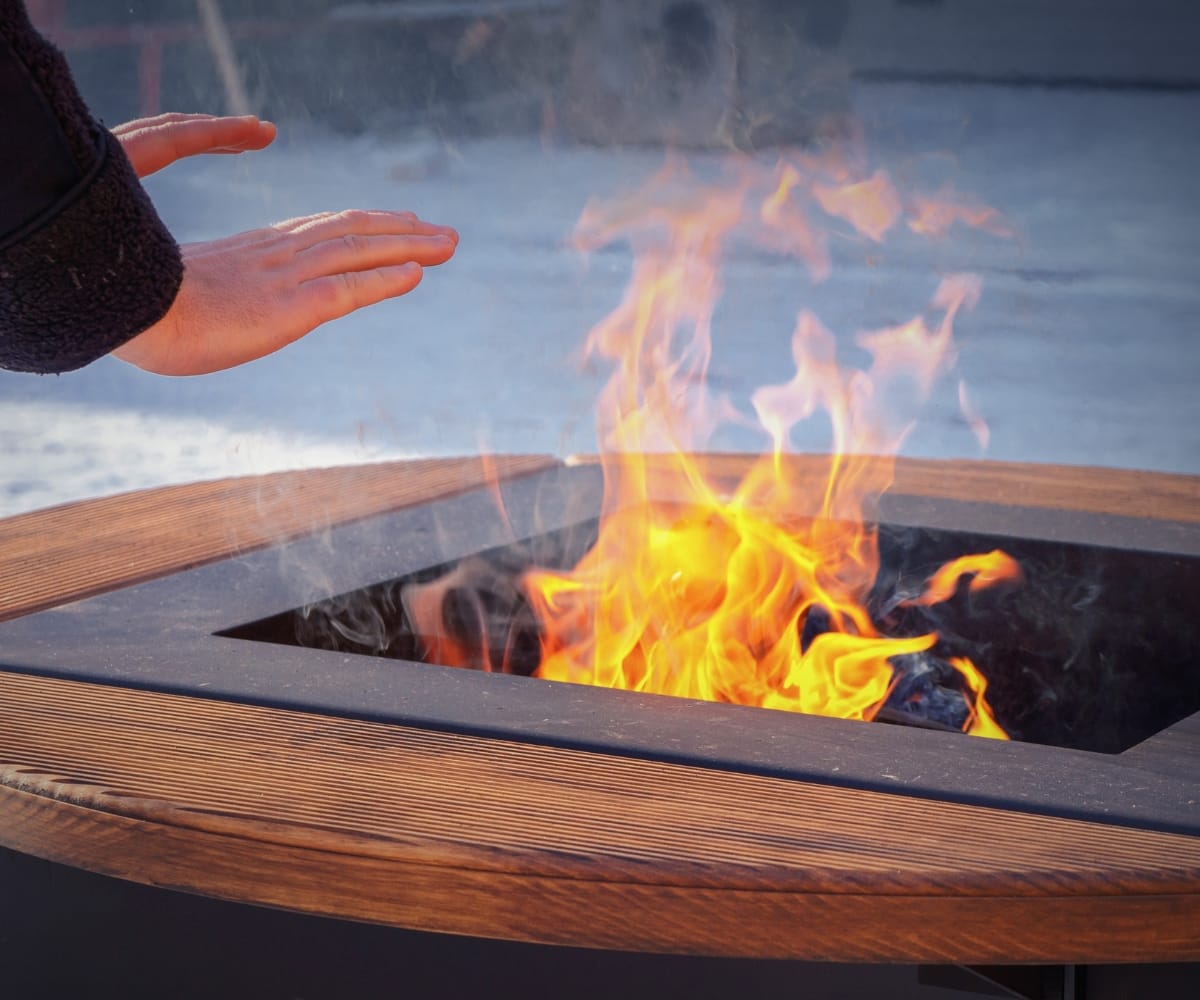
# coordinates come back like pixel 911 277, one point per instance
pixel 462 834
pixel 77 550
pixel 839 927
pixel 1121 492
pixel 1077 893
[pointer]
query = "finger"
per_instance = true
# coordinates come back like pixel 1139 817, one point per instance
pixel 187 127
pixel 332 225
pixel 281 240
pixel 362 253
pixel 277 237
pixel 165 118
pixel 150 149
pixel 336 295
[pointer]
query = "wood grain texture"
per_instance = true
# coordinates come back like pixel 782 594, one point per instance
pixel 1121 492
pixel 499 839
pixel 477 836
pixel 65 553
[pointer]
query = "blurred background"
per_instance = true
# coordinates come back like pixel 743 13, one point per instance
pixel 1079 121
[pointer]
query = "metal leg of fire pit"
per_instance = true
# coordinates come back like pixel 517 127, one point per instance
pixel 1025 982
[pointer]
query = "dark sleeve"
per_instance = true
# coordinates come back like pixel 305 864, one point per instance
pixel 85 262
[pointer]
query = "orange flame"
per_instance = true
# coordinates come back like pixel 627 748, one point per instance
pixel 708 590
pixel 981 721
pixel 935 215
pixel 984 570
pixel 871 206
pixel 787 229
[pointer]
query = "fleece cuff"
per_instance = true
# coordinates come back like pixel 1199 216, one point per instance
pixel 89 274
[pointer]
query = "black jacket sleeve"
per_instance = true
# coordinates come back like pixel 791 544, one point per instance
pixel 85 262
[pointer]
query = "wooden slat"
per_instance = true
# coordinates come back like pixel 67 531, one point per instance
pixel 65 553
pixel 1122 492
pixel 457 833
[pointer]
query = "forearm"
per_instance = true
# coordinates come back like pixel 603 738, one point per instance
pixel 85 262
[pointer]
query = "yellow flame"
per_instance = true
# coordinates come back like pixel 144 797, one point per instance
pixel 985 570
pixel 707 593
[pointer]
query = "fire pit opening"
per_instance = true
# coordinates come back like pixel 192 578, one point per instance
pixel 1093 650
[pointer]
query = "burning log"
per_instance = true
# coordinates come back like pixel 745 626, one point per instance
pixel 816 622
pixel 476 617
pixel 925 693
pixel 926 690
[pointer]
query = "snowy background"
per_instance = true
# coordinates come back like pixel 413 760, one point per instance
pixel 1085 348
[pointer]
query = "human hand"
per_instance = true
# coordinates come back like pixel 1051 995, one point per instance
pixel 248 295
pixel 154 143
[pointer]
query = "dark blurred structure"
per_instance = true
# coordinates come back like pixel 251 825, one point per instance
pixel 1066 43
pixel 349 65
pixel 701 73
pixel 84 935
pixel 705 72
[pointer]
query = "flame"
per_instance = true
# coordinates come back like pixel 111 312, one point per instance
pixel 870 206
pixel 752 592
pixel 981 721
pixel 787 228
pixel 935 215
pixel 984 570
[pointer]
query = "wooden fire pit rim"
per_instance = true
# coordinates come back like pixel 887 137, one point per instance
pixel 693 920
pixel 171 646
pixel 1067 907
pixel 1083 489
pixel 1082 925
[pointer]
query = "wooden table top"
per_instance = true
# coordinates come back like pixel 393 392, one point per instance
pixel 498 838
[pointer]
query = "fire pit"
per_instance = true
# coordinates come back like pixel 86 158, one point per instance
pixel 424 796
pixel 786 601
pixel 1072 660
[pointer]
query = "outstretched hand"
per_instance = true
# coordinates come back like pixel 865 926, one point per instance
pixel 154 143
pixel 248 295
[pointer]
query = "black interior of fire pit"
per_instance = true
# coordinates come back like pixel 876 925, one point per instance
pixel 1095 650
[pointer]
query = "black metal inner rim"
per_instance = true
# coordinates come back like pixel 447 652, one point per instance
pixel 1091 651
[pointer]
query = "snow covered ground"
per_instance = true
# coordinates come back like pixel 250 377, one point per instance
pixel 1085 348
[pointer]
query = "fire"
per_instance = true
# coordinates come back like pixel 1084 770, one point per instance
pixel 981 721
pixel 751 592
pixel 984 570
pixel 934 216
pixel 871 206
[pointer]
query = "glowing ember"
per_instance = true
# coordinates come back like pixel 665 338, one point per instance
pixel 708 594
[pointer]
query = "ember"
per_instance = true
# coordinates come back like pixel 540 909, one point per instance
pixel 754 592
